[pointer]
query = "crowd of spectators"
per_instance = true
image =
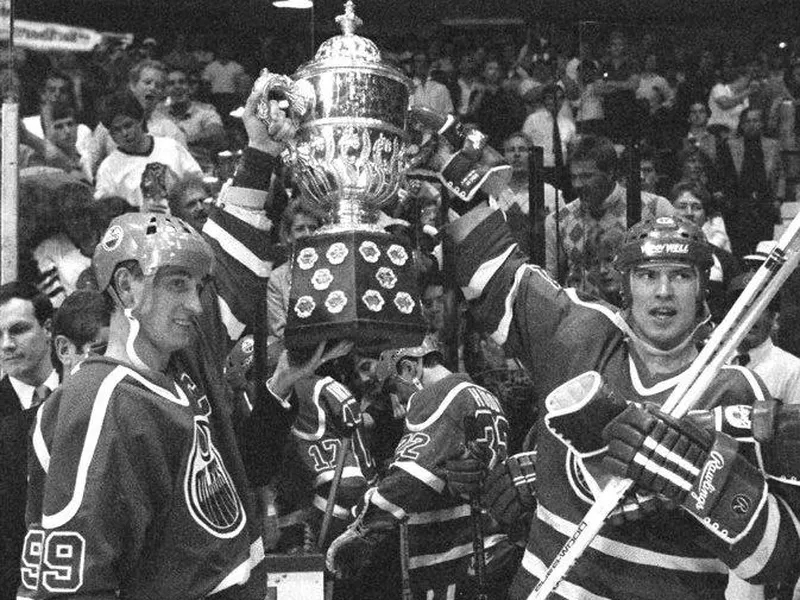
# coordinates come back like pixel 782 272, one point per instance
pixel 151 127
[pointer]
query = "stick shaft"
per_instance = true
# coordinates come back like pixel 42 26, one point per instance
pixel 477 546
pixel 405 572
pixel 331 504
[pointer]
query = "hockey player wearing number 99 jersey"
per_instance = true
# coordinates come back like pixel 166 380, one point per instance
pixel 137 488
pixel 448 414
pixel 641 351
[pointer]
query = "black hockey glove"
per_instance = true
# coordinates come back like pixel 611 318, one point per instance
pixel 510 492
pixel 465 475
pixel 349 553
pixel 702 471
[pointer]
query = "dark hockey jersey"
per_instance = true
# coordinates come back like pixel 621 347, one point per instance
pixel 558 334
pixel 131 491
pixel 318 434
pixel 442 419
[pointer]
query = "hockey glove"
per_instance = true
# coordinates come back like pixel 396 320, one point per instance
pixel 465 475
pixel 343 406
pixel 578 410
pixel 701 471
pixel 776 428
pixel 510 491
pixel 473 172
pixel 350 553
pixel 239 363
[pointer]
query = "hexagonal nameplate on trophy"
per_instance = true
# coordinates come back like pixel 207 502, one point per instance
pixel 359 285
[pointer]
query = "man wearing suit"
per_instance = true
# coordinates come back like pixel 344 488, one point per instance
pixel 25 360
pixel 756 170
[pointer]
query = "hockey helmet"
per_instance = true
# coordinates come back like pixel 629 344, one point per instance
pixel 389 359
pixel 153 240
pixel 664 239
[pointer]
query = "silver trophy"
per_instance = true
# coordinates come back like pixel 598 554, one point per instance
pixel 351 278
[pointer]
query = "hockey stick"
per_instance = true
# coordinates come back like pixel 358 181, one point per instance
pixel 761 289
pixel 331 504
pixel 405 573
pixel 477 545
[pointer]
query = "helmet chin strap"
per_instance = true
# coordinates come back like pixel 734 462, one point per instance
pixel 650 349
pixel 133 332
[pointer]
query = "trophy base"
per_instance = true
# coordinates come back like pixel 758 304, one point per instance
pixel 359 285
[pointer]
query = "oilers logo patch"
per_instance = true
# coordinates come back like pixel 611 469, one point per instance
pixel 210 493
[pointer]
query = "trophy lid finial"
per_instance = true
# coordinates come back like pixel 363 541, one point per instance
pixel 349 21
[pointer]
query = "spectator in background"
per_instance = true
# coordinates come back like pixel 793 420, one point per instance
pixel 179 57
pixel 63 135
pixel 199 122
pixel 227 79
pixel 432 286
pixel 187 201
pixel 80 329
pixel 779 369
pixel 699 80
pixel 590 117
pixel 468 87
pixel 546 102
pixel 498 112
pixel 515 200
pixel 300 219
pixel 56 91
pixel 727 100
pixel 619 85
pixel 427 91
pixel 783 117
pixel 63 256
pixel 698 135
pixel 693 202
pixel 757 175
pixel 146 80
pixel 28 379
pixel 599 212
pixel 653 88
pixel 141 161
pixel 648 171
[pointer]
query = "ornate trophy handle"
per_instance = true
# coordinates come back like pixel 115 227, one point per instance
pixel 295 98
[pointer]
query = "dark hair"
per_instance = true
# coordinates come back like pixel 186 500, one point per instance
pixel 121 103
pixel 695 152
pixel 64 110
pixel 430 277
pixel 107 208
pixel 53 74
pixel 697 190
pixel 190 182
pixel 71 196
pixel 595 148
pixel 519 134
pixel 743 115
pixel 298 206
pixel 81 315
pixel 42 307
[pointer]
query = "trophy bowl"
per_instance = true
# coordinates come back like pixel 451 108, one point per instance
pixel 349 279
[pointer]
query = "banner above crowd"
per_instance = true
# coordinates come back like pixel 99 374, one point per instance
pixel 49 36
